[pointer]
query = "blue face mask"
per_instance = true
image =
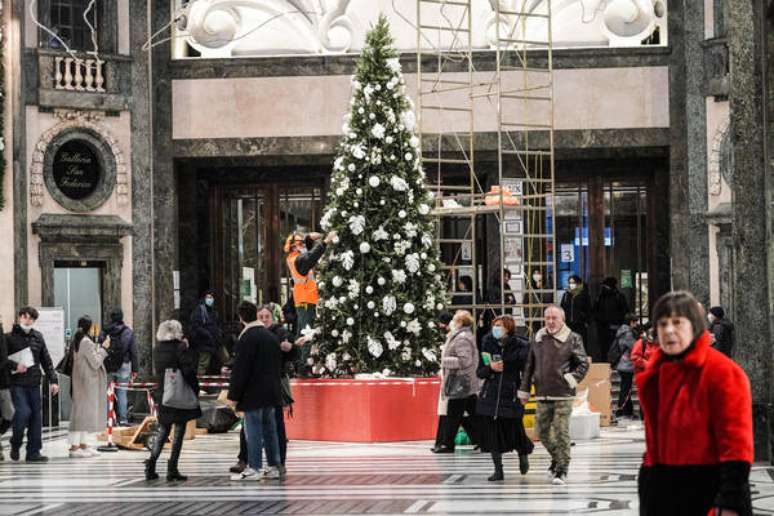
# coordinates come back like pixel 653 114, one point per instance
pixel 498 332
pixel 209 301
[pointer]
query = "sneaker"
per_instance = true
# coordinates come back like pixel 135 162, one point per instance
pixel 91 451
pixel 560 479
pixel 78 453
pixel 271 473
pixel 14 454
pixel 551 473
pixel 37 458
pixel 238 467
pixel 249 474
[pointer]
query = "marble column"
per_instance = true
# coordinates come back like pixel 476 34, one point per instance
pixel 688 150
pixel 752 213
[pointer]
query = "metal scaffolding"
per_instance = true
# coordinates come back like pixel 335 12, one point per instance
pixel 512 99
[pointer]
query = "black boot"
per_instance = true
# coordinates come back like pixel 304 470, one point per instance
pixel 523 463
pixel 150 469
pixel 498 472
pixel 177 445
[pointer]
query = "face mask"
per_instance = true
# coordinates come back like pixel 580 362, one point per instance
pixel 209 301
pixel 710 318
pixel 537 277
pixel 498 332
pixel 26 328
pixel 572 286
pixel 452 326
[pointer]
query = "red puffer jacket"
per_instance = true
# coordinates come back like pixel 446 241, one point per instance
pixel 698 432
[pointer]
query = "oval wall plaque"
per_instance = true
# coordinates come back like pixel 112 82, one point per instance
pixel 77 169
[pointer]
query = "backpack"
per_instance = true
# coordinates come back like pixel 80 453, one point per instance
pixel 115 354
pixel 614 354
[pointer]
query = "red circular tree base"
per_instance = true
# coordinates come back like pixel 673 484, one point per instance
pixel 364 411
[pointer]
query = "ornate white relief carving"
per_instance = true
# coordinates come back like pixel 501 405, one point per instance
pixel 243 27
pixel 69 119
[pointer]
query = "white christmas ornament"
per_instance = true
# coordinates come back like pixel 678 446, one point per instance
pixel 409 156
pixel 392 342
pixel 399 276
pixel 374 181
pixel 406 354
pixel 381 281
pixel 330 362
pixel 347 259
pixel 389 139
pixel 365 247
pixel 418 363
pixel 394 64
pixel 402 214
pixel 423 209
pixel 389 305
pixel 350 321
pixel 380 234
pixel 398 184
pixel 335 333
pixel 369 289
pixel 408 308
pixel 377 131
pixel 414 327
pixel 356 224
pixel 374 347
pixel 337 281
pixel 371 305
pixel 429 354
pixel 412 263
pixel 359 191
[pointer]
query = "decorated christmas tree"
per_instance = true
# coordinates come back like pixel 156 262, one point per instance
pixel 381 287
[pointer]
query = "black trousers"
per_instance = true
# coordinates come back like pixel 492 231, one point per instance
pixel 449 424
pixel 177 445
pixel 282 437
pixel 625 405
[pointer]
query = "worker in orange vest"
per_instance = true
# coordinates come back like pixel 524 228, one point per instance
pixel 303 255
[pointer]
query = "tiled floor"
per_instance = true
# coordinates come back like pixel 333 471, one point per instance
pixel 331 478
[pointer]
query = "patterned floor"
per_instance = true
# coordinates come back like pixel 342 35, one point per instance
pixel 332 478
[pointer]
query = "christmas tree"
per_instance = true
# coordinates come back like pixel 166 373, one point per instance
pixel 381 287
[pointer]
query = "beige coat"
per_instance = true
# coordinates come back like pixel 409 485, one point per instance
pixel 89 409
pixel 460 355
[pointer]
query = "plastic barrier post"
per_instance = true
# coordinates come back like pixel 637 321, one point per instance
pixel 110 447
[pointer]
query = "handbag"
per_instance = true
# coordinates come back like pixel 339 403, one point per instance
pixel 456 386
pixel 65 366
pixel 177 393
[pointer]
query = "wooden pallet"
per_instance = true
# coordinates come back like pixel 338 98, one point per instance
pixel 131 438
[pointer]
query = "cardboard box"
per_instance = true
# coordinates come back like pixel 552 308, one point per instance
pixel 598 383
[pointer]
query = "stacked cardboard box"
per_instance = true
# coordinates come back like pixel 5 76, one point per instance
pixel 598 383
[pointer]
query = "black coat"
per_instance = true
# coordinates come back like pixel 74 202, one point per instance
pixel 174 354
pixel 307 260
pixel 498 394
pixel 611 306
pixel 577 309
pixel 18 340
pixel 255 375
pixel 723 331
pixel 205 329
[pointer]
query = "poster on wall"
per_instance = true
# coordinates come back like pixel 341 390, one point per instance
pixel 51 324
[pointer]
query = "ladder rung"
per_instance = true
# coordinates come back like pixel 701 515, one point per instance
pixel 446 160
pixel 514 68
pixel 524 124
pixel 527 153
pixel 446 81
pixel 448 188
pixel 441 27
pixel 446 108
pixel 526 41
pixel 518 13
pixel 524 97
pixel 453 240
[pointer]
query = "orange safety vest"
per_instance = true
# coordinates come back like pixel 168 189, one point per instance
pixel 304 287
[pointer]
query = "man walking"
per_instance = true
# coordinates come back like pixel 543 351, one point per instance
pixel 556 364
pixel 206 334
pixel 25 384
pixel 255 390
pixel 122 363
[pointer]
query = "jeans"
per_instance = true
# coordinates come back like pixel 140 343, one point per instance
pixel 282 438
pixel 28 416
pixel 123 375
pixel 260 431
pixel 177 446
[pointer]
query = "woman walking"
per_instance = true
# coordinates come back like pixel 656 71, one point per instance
pixel 173 360
pixel 459 383
pixel 698 420
pixel 89 384
pixel 502 429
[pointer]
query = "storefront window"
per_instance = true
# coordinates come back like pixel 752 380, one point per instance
pixel 572 233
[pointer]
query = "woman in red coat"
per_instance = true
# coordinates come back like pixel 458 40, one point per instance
pixel 642 351
pixel 698 420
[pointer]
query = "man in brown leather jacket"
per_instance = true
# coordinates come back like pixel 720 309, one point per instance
pixel 556 364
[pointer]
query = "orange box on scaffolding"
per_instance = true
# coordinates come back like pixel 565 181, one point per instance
pixel 364 411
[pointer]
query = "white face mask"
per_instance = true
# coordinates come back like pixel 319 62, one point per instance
pixel 537 277
pixel 452 327
pixel 710 318
pixel 572 285
pixel 26 328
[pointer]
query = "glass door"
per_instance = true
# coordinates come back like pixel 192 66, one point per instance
pixel 626 242
pixel 572 233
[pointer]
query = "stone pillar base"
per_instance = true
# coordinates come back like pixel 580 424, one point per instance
pixel 763 428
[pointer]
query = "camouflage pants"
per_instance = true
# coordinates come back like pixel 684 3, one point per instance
pixel 553 426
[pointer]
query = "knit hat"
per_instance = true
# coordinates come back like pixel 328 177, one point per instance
pixel 718 312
